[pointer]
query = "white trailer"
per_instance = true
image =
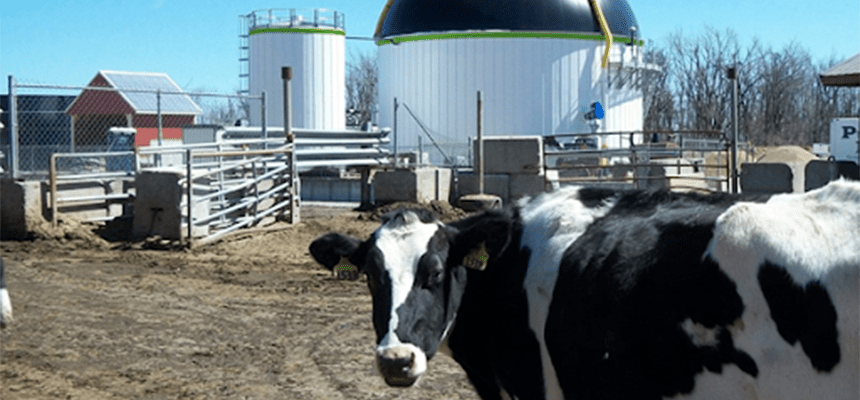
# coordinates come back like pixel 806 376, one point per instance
pixel 844 145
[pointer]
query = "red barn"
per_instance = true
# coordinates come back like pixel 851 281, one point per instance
pixel 130 99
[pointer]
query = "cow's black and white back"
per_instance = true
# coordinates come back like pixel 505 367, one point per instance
pixel 796 259
pixel 589 293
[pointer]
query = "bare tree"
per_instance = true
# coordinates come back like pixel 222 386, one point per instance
pixel 781 98
pixel 785 89
pixel 220 110
pixel 699 80
pixel 361 87
pixel 658 102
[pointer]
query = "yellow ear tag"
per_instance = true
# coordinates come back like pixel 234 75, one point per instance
pixel 477 258
pixel 346 270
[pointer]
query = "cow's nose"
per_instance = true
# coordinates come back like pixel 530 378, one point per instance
pixel 396 365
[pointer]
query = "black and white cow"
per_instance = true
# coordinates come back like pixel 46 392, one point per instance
pixel 596 294
pixel 5 304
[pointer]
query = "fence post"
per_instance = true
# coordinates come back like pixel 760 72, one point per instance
pixel 160 133
pixel 480 156
pixel 287 77
pixel 732 74
pixel 52 171
pixel 395 132
pixel 13 128
pixel 256 190
pixel 189 200
pixel 263 119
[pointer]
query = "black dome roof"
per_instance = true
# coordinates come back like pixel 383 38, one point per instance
pixel 414 16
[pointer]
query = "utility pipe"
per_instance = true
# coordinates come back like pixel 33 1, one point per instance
pixel 604 27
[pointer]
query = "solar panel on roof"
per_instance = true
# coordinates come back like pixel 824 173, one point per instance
pixel 139 89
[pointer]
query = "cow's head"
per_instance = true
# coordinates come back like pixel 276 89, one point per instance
pixel 416 273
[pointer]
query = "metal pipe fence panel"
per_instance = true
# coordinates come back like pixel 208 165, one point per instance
pixel 93 184
pixel 686 160
pixel 240 190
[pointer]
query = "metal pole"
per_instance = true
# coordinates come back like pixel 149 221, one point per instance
pixel 480 161
pixel 53 178
pixel 160 133
pixel 287 77
pixel 732 73
pixel 188 193
pixel 395 132
pixel 420 159
pixel 72 133
pixel 158 114
pixel 13 128
pixel 263 118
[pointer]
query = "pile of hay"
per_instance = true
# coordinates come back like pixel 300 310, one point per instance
pixel 784 154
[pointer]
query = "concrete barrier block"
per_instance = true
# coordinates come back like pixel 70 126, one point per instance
pixel 157 207
pixel 496 184
pixel 766 178
pixel 522 185
pixel 419 185
pixel 819 172
pixel 511 154
pixel 20 207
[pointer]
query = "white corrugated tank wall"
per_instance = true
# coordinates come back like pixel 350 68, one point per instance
pixel 318 61
pixel 530 86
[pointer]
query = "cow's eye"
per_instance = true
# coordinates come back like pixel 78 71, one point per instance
pixel 435 269
pixel 437 276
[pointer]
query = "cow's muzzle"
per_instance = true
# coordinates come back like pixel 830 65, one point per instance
pixel 401 365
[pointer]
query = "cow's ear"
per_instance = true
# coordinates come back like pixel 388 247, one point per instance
pixel 334 250
pixel 481 238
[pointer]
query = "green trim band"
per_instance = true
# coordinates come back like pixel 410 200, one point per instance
pixel 297 30
pixel 538 35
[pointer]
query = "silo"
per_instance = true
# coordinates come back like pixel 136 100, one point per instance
pixel 312 42
pixel 537 62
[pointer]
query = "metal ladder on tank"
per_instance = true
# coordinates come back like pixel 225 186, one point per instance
pixel 244 56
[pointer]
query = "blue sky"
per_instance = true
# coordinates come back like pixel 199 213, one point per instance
pixel 196 43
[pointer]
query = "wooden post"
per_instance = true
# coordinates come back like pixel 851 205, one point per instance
pixel 732 74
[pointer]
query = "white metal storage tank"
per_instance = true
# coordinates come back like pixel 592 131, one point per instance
pixel 312 42
pixel 537 62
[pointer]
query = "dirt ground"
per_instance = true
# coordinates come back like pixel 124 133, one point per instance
pixel 252 317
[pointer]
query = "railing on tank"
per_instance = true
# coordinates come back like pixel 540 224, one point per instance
pixel 295 18
pixel 690 160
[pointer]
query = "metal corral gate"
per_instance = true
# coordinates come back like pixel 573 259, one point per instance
pixel 235 183
pixel 687 160
pixel 243 179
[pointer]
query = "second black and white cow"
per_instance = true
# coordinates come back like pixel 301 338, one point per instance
pixel 5 304
pixel 596 294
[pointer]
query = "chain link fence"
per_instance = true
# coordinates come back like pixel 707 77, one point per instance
pixel 40 120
